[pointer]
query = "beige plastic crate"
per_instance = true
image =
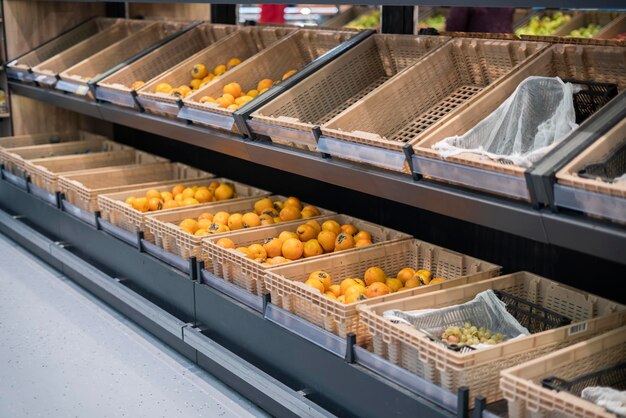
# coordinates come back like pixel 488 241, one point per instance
pixel 614 28
pixel 430 93
pixel 165 57
pixel 480 369
pixel 286 284
pixel 586 63
pixel 242 44
pixel 61 43
pixel 248 274
pixel 167 235
pixel 7 143
pixel 290 53
pixel 82 190
pixel 120 51
pixel 599 151
pixel 90 46
pixel 44 172
pixel 521 385
pixel 583 19
pixel 344 81
pixel 20 155
pixel 114 210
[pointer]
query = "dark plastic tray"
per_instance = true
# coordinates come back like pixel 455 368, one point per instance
pixel 614 377
pixel 591 98
pixel 608 170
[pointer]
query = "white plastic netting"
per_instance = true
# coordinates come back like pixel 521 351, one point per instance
pixel 609 398
pixel 535 118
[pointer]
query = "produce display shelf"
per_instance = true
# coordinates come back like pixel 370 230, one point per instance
pixel 183 312
pixel 566 230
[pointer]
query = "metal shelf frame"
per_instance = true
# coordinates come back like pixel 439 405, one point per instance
pixel 572 231
pixel 282 363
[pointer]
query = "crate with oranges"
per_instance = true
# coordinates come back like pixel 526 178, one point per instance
pixel 180 232
pixel 327 290
pixel 129 209
pixel 243 257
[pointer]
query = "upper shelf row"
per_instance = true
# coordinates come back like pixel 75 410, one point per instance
pixel 382 100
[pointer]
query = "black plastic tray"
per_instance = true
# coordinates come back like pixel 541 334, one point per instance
pixel 591 98
pixel 614 377
pixel 608 170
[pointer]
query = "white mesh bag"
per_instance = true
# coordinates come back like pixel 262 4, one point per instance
pixel 536 117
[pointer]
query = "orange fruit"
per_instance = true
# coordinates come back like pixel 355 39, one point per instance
pixel 341 299
pixel 289 213
pixel 363 235
pixel 277 220
pixel 377 289
pixel 288 74
pixel 222 102
pixel 359 281
pixel 336 289
pixel 250 220
pixel 393 284
pixel 245 252
pixel 331 226
pixel 190 201
pixel 278 205
pixel 218 228
pixel 199 71
pixel 262 91
pixel 235 221
pixel 264 84
pixel 355 289
pixel 224 192
pixel 153 193
pixel 258 251
pixel 178 92
pixel 242 100
pixel 344 242
pixel 229 97
pixel 195 84
pixel 345 284
pixel 292 249
pixel 163 88
pixel 137 85
pixel 207 99
pixel 204 224
pixel 165 196
pixel 279 260
pixel 313 209
pixel 285 235
pixel 411 283
pixel 170 204
pixel 234 89
pixel 316 284
pixel 305 232
pixel 233 62
pixel 362 243
pixel 185 89
pixel 437 280
pixel 129 200
pixel 221 218
pixel 178 189
pixel 312 248
pixel 323 277
pixel 349 229
pixel 206 215
pixel 315 225
pixel 219 70
pixel 155 203
pixel 201 232
pixel 373 275
pixel 179 198
pixel 423 276
pixel 330 295
pixel 203 195
pixel 273 247
pixel 141 204
pixel 225 243
pixel 253 93
pixel 270 212
pixel 233 107
pixel 189 224
pixel 260 205
pixel 327 240
pixel 266 220
pixel 405 274
pixel 188 192
pixel 293 201
pixel 307 213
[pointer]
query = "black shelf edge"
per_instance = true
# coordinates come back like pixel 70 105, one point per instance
pixel 498 213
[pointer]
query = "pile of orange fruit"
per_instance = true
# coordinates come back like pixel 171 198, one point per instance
pixel 181 196
pixel 233 96
pixel 307 240
pixel 264 212
pixel 375 282
pixel 200 76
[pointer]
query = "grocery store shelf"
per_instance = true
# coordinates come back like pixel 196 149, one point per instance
pixel 577 233
pixel 271 358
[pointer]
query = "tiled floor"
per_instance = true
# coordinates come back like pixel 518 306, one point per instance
pixel 64 353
